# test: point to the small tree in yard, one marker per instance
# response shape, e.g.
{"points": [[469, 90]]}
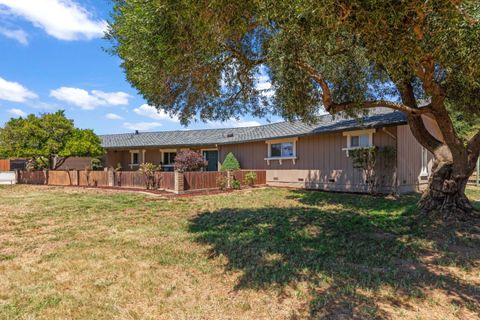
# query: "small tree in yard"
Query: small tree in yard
{"points": [[417, 57], [48, 139], [148, 170], [189, 161], [230, 163]]}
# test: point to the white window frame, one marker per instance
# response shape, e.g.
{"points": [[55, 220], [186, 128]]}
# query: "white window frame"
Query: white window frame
{"points": [[162, 152], [424, 162], [132, 152], [350, 134], [269, 157]]}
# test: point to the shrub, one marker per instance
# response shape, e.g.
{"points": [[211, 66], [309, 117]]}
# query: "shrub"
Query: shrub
{"points": [[148, 170], [96, 164], [36, 164], [250, 178], [222, 182], [189, 161], [230, 163], [236, 184]]}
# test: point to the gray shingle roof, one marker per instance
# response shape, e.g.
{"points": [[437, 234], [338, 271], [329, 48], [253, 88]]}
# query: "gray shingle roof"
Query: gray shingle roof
{"points": [[181, 138]]}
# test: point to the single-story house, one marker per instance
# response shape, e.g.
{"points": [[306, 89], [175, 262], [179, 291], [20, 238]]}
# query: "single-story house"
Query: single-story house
{"points": [[294, 154]]}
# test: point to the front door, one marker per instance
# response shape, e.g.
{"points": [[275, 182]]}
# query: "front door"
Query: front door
{"points": [[212, 158]]}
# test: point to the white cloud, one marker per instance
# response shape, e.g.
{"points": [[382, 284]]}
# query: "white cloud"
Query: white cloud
{"points": [[153, 113], [14, 91], [62, 19], [18, 35], [242, 123], [113, 116], [263, 84], [143, 126], [17, 112], [89, 100], [112, 98], [234, 123]]}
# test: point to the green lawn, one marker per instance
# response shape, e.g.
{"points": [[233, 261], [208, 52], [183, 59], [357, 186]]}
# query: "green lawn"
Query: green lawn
{"points": [[69, 253]]}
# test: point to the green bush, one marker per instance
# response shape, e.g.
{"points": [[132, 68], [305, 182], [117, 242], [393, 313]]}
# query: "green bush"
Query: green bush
{"points": [[236, 184], [96, 164], [250, 178], [222, 182], [230, 163]]}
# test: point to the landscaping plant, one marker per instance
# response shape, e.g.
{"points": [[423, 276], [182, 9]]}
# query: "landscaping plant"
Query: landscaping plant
{"points": [[189, 160], [250, 178], [148, 170], [230, 163]]}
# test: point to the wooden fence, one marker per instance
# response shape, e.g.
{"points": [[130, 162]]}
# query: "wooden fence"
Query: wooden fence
{"points": [[132, 179], [209, 180], [261, 176], [127, 179], [135, 179], [201, 180], [4, 165]]}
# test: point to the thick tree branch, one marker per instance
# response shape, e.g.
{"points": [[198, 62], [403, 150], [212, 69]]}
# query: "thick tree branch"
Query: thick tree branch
{"points": [[426, 72], [377, 104], [59, 162], [332, 107], [415, 122], [473, 148]]}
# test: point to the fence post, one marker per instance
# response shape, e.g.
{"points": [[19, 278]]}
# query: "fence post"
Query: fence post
{"points": [[45, 174], [229, 179], [478, 172], [179, 182], [111, 177]]}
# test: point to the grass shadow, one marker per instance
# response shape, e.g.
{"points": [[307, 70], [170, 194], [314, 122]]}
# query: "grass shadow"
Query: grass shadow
{"points": [[348, 249]]}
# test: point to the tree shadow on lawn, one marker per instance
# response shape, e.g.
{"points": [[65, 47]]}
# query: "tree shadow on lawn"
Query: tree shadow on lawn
{"points": [[351, 256]]}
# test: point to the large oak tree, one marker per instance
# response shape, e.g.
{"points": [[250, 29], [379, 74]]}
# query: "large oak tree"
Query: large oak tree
{"points": [[203, 59]]}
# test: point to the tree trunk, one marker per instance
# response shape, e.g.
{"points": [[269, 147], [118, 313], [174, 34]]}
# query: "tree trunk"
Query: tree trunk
{"points": [[445, 195]]}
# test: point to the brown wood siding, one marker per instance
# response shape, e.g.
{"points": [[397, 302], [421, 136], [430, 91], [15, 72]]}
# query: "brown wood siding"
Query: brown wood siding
{"points": [[409, 159], [321, 155]]}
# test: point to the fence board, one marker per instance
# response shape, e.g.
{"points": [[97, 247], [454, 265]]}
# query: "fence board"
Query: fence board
{"points": [[4, 165], [31, 177], [201, 180], [95, 178], [62, 178], [166, 180]]}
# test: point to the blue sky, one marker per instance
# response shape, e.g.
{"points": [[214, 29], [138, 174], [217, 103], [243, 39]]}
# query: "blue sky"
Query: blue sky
{"points": [[51, 58]]}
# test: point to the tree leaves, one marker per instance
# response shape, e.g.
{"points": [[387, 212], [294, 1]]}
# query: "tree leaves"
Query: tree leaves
{"points": [[46, 137]]}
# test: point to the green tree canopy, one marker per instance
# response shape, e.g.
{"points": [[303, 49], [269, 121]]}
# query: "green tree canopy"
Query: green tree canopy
{"points": [[50, 139], [204, 58]]}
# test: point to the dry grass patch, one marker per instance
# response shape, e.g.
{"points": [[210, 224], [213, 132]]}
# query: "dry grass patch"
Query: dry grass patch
{"points": [[261, 254]]}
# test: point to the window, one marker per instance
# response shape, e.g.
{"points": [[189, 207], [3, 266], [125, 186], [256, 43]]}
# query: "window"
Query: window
{"points": [[135, 158], [169, 157], [360, 141], [281, 150], [284, 149]]}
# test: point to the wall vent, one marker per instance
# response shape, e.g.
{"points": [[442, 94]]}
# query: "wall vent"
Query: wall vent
{"points": [[301, 179], [275, 178], [331, 180]]}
